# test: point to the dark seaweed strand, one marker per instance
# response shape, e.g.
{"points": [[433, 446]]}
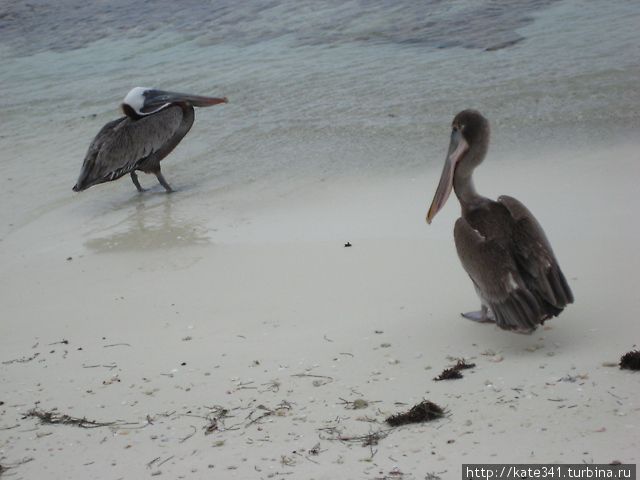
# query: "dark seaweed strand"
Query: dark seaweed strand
{"points": [[422, 412], [462, 365], [630, 360], [448, 374], [452, 373]]}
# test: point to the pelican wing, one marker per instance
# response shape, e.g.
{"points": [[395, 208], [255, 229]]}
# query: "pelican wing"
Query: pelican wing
{"points": [[497, 279], [537, 263], [133, 141], [123, 144]]}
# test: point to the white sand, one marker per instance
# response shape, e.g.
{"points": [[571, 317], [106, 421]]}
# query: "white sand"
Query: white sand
{"points": [[204, 302]]}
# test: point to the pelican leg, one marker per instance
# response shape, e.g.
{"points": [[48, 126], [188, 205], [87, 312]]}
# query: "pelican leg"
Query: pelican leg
{"points": [[163, 182], [134, 178], [484, 315]]}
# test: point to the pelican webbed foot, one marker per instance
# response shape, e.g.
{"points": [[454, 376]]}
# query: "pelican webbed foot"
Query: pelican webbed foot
{"points": [[524, 331], [484, 315]]}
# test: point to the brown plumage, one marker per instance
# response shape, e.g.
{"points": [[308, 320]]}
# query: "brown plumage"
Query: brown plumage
{"points": [[155, 122], [501, 245]]}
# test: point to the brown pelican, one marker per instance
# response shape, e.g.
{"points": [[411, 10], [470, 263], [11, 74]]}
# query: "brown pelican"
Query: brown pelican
{"points": [[500, 244], [154, 124]]}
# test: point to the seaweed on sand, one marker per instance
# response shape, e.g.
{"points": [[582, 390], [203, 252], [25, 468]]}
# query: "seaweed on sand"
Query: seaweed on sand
{"points": [[424, 411], [630, 360]]}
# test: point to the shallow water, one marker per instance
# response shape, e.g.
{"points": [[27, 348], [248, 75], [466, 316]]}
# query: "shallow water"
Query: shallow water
{"points": [[316, 91]]}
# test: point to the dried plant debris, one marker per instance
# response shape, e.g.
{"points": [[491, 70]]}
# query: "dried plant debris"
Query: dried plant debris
{"points": [[448, 374], [630, 360], [55, 418], [21, 359], [452, 373], [281, 410], [370, 439], [5, 468], [433, 476], [215, 420], [357, 404], [462, 365], [315, 450], [424, 411]]}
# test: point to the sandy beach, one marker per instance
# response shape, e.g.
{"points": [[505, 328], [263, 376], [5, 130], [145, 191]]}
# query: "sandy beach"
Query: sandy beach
{"points": [[226, 331], [233, 336]]}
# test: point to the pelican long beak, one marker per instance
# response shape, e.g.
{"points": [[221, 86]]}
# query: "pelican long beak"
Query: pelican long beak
{"points": [[457, 148], [155, 99]]}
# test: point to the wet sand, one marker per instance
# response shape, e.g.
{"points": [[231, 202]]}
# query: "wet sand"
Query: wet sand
{"points": [[228, 336]]}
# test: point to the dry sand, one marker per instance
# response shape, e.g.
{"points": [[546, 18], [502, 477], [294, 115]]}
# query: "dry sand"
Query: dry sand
{"points": [[249, 316]]}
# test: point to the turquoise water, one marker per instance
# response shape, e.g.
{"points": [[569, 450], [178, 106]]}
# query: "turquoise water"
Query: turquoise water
{"points": [[316, 90]]}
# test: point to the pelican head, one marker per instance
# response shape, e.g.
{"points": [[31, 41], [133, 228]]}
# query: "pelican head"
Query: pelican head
{"points": [[468, 146], [143, 101]]}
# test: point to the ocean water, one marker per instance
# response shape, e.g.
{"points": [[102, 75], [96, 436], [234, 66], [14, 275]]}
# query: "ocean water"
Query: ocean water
{"points": [[317, 90]]}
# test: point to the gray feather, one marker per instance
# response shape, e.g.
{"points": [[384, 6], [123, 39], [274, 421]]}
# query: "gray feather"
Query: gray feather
{"points": [[125, 145], [507, 255]]}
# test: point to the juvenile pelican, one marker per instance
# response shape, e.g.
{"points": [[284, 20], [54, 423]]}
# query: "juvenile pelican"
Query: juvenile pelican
{"points": [[155, 122], [500, 244]]}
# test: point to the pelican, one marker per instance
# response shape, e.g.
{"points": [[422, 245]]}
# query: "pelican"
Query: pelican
{"points": [[501, 245], [155, 122]]}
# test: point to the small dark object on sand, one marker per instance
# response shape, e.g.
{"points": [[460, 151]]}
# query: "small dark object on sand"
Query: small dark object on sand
{"points": [[462, 365], [424, 411], [453, 373], [348, 244], [448, 374], [630, 360]]}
